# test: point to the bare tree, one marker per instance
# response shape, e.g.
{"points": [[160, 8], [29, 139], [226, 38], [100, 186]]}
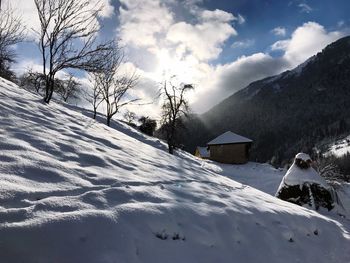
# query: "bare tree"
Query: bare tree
{"points": [[130, 117], [69, 88], [114, 84], [94, 96], [174, 107], [11, 33], [33, 81], [328, 168], [67, 38]]}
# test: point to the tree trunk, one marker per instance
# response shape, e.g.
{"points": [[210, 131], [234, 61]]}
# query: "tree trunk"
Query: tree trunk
{"points": [[108, 120], [170, 148], [49, 88], [171, 143]]}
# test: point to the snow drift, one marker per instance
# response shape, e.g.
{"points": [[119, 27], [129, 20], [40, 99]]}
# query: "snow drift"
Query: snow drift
{"points": [[75, 190]]}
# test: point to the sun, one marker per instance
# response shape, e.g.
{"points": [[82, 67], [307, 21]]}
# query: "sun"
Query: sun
{"points": [[173, 65]]}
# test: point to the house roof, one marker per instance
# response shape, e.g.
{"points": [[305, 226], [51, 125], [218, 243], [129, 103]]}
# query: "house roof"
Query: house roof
{"points": [[229, 138], [203, 151]]}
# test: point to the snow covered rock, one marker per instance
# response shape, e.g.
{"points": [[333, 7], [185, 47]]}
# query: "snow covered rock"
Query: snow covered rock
{"points": [[302, 185]]}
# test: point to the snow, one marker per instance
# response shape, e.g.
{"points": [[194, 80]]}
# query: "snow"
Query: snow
{"points": [[303, 156], [260, 176], [340, 148], [229, 137], [75, 190], [298, 176]]}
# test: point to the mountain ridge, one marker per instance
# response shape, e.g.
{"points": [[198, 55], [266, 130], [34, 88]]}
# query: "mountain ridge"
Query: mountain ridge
{"points": [[293, 110]]}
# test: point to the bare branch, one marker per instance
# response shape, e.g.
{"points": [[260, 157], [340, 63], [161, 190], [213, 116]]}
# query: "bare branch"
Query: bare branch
{"points": [[11, 33], [67, 38], [174, 107]]}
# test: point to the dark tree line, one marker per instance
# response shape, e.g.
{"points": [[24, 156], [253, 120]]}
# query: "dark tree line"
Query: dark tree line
{"points": [[148, 125]]}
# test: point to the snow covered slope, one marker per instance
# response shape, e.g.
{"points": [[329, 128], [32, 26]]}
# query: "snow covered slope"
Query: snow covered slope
{"points": [[261, 176], [75, 190], [340, 147]]}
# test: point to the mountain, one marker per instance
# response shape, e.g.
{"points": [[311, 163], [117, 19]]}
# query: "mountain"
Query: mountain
{"points": [[75, 190], [285, 113]]}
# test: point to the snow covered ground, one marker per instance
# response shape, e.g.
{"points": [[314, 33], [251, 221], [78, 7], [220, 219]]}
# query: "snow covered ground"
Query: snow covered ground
{"points": [[260, 176], [75, 190], [340, 148]]}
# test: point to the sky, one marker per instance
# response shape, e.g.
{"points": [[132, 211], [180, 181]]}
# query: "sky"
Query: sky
{"points": [[218, 46]]}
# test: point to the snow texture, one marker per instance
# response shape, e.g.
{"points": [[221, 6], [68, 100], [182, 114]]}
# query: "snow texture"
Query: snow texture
{"points": [[228, 138], [303, 156], [75, 190], [298, 176]]}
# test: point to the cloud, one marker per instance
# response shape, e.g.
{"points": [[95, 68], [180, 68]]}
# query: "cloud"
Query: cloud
{"points": [[27, 11], [25, 65], [243, 44], [205, 39], [187, 48], [240, 19], [279, 31], [305, 8], [141, 22], [170, 45], [216, 16], [305, 42], [341, 23], [161, 30], [226, 79]]}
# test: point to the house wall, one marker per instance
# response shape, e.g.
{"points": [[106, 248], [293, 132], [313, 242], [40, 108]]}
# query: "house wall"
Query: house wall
{"points": [[229, 153]]}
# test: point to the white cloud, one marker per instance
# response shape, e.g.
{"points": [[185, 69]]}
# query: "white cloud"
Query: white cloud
{"points": [[305, 8], [216, 16], [142, 21], [107, 10], [204, 40], [240, 19], [171, 45], [226, 79], [243, 44], [187, 47], [305, 42], [27, 11], [25, 65], [341, 23], [279, 31]]}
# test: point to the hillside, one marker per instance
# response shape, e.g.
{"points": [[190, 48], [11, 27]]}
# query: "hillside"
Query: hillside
{"points": [[340, 147], [287, 113], [75, 190]]}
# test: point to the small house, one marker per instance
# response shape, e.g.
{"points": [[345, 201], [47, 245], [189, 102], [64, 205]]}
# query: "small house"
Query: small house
{"points": [[202, 152], [229, 148]]}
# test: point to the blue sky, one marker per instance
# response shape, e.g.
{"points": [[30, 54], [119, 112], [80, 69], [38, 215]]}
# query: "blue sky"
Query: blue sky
{"points": [[220, 46]]}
